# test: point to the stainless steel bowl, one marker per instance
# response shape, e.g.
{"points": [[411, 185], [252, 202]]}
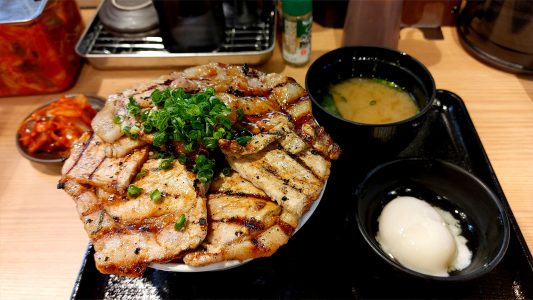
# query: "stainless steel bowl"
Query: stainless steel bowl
{"points": [[131, 16], [50, 158]]}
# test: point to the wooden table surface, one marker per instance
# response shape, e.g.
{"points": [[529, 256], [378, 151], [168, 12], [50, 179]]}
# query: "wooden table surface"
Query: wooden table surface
{"points": [[42, 240]]}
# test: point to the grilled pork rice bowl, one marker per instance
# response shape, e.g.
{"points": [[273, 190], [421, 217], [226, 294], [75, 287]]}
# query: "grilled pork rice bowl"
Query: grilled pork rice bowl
{"points": [[214, 163]]}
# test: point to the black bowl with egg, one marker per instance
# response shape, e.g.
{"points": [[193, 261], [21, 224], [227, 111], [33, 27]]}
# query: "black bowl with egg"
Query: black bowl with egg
{"points": [[443, 185], [373, 63]]}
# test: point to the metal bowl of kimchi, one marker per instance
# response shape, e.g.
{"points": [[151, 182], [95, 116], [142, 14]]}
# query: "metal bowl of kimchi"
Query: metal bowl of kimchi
{"points": [[47, 133]]}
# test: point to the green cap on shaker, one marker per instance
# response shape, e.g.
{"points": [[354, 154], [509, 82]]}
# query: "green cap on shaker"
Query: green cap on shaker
{"points": [[296, 7]]}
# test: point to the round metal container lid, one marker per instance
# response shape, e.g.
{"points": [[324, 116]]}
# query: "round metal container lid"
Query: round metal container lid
{"points": [[20, 11]]}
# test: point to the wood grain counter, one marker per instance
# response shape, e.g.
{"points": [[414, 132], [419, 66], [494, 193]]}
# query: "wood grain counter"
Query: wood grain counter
{"points": [[42, 241]]}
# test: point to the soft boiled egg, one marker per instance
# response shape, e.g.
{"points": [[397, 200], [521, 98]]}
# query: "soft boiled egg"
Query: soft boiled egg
{"points": [[422, 238]]}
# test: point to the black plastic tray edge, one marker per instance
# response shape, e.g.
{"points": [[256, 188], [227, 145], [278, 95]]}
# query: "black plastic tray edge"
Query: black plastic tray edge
{"points": [[497, 185], [80, 273], [498, 191]]}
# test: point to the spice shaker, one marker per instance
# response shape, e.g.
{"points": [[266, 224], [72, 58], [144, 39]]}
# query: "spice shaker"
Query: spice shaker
{"points": [[297, 22]]}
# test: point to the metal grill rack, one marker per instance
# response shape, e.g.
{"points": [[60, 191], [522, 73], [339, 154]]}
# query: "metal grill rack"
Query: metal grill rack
{"points": [[104, 42], [257, 38], [242, 44]]}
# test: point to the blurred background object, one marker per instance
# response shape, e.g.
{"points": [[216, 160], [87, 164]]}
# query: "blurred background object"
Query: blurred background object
{"points": [[429, 13], [499, 32], [88, 3], [37, 40], [191, 25], [415, 13], [330, 13], [373, 23], [128, 16], [245, 12]]}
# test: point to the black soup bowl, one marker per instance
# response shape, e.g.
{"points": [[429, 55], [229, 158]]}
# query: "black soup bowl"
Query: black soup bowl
{"points": [[444, 185], [370, 62]]}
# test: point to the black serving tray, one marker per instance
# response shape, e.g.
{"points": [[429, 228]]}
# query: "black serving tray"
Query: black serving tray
{"points": [[328, 257]]}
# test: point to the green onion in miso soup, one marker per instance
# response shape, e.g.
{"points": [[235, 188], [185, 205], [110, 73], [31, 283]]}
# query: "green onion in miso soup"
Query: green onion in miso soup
{"points": [[370, 101]]}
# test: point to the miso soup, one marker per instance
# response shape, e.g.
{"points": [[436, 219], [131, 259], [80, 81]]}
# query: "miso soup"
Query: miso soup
{"points": [[371, 101]]}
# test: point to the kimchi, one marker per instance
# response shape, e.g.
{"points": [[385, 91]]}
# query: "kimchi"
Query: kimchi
{"points": [[54, 128], [38, 56]]}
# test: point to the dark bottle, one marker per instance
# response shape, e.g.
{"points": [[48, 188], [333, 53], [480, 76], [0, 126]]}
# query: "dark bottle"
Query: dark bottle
{"points": [[191, 25]]}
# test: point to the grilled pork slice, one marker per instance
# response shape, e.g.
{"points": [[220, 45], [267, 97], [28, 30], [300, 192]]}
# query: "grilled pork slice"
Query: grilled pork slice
{"points": [[103, 123], [130, 233], [262, 97], [285, 179], [88, 164], [243, 224]]}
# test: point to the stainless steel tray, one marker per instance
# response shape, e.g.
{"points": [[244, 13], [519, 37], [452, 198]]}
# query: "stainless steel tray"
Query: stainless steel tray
{"points": [[252, 44]]}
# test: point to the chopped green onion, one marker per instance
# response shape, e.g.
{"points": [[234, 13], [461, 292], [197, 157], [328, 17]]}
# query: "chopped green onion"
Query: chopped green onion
{"points": [[155, 196], [134, 191], [226, 171], [182, 159], [147, 128], [133, 107], [189, 147], [203, 167], [219, 133], [166, 164], [240, 114], [141, 174], [126, 129], [243, 137], [329, 104], [197, 121], [117, 119], [210, 143], [194, 119], [180, 222], [145, 114], [163, 154], [243, 140], [134, 129], [157, 97], [159, 139]]}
